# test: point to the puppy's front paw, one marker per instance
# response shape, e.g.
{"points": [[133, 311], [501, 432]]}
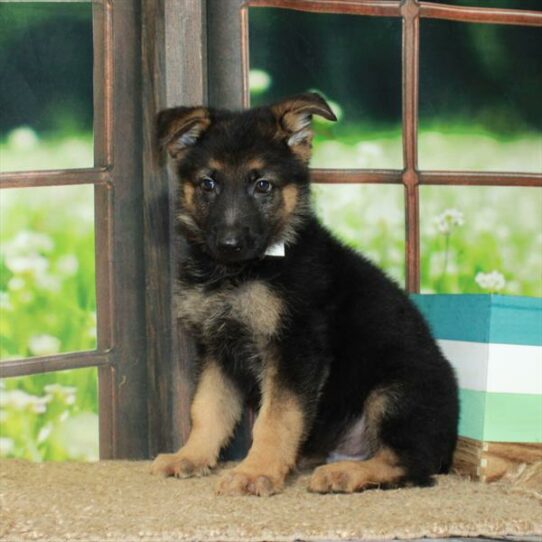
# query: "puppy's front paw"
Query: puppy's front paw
{"points": [[180, 466], [235, 483]]}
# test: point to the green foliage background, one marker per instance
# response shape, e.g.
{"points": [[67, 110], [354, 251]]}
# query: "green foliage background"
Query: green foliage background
{"points": [[48, 306]]}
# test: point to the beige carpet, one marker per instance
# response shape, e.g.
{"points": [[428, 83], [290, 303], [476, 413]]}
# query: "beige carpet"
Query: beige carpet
{"points": [[121, 501]]}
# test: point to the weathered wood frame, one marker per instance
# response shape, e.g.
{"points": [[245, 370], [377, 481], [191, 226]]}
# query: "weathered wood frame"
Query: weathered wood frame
{"points": [[170, 77], [143, 358], [411, 177], [118, 199]]}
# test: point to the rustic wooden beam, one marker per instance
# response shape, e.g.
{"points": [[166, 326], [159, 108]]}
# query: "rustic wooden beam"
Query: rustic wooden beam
{"points": [[57, 362], [356, 176], [61, 177], [174, 73], [103, 224], [472, 14], [126, 256], [410, 62], [381, 8], [225, 54], [486, 178]]}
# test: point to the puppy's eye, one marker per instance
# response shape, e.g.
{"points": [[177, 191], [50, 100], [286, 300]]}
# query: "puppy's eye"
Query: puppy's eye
{"points": [[208, 184], [263, 186]]}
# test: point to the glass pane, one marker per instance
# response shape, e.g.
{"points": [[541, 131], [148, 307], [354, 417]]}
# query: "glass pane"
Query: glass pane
{"points": [[481, 240], [47, 279], [52, 416], [367, 218], [45, 85], [353, 61], [480, 106]]}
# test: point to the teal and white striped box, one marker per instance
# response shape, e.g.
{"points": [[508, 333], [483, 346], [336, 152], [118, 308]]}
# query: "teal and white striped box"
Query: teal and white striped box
{"points": [[494, 343]]}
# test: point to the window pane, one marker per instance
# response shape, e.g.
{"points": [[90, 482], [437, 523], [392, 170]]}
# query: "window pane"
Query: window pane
{"points": [[481, 240], [47, 279], [51, 416], [367, 218], [46, 61], [480, 106], [355, 62]]}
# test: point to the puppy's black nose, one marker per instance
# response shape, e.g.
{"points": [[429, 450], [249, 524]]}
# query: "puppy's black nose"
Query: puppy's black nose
{"points": [[230, 243]]}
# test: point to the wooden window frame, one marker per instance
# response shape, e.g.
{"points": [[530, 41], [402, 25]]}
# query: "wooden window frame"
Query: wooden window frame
{"points": [[411, 177], [120, 355]]}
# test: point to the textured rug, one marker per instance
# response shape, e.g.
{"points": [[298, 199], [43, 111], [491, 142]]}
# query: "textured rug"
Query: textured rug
{"points": [[119, 500]]}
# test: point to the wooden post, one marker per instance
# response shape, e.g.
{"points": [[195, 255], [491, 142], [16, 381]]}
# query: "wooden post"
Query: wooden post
{"points": [[171, 77]]}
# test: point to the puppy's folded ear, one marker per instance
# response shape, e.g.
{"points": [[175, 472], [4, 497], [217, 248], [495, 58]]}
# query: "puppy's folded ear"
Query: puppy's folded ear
{"points": [[294, 116], [180, 127]]}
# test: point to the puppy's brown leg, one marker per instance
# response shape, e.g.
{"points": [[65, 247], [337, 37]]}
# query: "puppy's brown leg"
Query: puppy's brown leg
{"points": [[350, 476], [215, 410], [276, 437]]}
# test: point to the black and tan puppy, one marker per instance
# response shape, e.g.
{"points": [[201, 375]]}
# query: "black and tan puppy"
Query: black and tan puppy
{"points": [[332, 355]]}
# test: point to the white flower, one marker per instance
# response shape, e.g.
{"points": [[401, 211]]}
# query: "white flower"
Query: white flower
{"points": [[28, 242], [26, 297], [23, 138], [67, 265], [369, 151], [44, 433], [258, 81], [6, 446], [34, 263], [502, 232], [396, 255], [20, 400], [48, 282], [5, 303], [448, 220], [44, 345], [65, 393], [16, 283], [493, 281]]}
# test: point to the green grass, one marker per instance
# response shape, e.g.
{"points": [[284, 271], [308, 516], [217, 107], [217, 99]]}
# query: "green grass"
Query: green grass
{"points": [[47, 292], [51, 416], [47, 274], [48, 306], [24, 150], [441, 146]]}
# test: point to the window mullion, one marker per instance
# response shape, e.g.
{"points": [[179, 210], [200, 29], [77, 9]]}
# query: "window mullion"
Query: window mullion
{"points": [[411, 37]]}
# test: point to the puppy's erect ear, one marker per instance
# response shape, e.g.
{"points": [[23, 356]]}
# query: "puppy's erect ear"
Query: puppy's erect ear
{"points": [[180, 127], [294, 116]]}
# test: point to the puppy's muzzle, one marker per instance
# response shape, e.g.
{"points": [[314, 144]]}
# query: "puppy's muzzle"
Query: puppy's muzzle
{"points": [[230, 244]]}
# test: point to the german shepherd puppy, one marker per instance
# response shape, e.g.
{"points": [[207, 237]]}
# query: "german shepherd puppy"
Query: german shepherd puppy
{"points": [[331, 353]]}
